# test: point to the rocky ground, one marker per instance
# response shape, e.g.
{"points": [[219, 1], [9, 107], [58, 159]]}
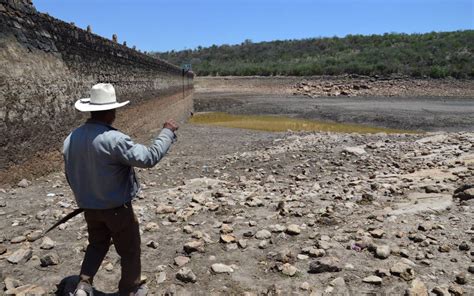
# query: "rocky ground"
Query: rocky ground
{"points": [[234, 212], [340, 86], [237, 212], [363, 86]]}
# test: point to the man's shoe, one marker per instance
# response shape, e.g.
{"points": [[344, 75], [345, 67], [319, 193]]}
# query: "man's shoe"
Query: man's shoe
{"points": [[84, 289]]}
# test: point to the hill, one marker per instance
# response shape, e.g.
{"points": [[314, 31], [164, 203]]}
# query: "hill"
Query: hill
{"points": [[436, 55]]}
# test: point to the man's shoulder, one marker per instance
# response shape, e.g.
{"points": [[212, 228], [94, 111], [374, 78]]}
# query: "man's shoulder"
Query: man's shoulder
{"points": [[115, 134], [112, 138]]}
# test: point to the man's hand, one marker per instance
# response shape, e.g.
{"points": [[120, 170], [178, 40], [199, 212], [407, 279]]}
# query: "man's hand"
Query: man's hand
{"points": [[171, 124]]}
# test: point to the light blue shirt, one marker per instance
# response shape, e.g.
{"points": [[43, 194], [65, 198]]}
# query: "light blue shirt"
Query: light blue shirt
{"points": [[99, 163]]}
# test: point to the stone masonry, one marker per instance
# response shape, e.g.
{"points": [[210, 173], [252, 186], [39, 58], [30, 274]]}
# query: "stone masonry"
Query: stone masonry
{"points": [[48, 64]]}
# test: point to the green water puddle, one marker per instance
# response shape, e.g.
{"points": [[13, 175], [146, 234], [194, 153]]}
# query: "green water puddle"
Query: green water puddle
{"points": [[282, 124]]}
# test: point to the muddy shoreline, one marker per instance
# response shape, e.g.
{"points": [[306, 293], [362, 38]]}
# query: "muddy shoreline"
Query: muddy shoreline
{"points": [[422, 113]]}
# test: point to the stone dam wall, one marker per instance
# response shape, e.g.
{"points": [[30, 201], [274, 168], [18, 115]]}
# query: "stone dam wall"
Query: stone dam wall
{"points": [[47, 64]]}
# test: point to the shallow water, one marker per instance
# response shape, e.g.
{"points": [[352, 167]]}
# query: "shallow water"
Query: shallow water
{"points": [[283, 123]]}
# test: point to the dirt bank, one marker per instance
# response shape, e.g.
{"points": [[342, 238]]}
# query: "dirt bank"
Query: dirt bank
{"points": [[317, 86]]}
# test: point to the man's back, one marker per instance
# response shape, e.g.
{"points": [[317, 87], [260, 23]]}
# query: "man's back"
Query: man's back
{"points": [[97, 176]]}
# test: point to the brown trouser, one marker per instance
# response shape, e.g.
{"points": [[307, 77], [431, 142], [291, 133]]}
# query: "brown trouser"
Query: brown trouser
{"points": [[120, 225]]}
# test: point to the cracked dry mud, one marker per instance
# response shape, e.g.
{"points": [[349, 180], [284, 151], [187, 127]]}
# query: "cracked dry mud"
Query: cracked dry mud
{"points": [[236, 212]]}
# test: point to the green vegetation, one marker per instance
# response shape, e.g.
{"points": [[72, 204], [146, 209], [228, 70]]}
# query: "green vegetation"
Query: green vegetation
{"points": [[282, 124], [436, 55]]}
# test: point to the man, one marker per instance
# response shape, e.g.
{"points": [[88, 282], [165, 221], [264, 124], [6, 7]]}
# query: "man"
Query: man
{"points": [[99, 163]]}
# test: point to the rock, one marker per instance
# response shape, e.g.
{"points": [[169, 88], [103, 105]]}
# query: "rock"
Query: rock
{"points": [[302, 257], [403, 270], [285, 256], [197, 234], [441, 291], [314, 252], [193, 246], [18, 239], [27, 290], [464, 246], [337, 287], [242, 243], [470, 268], [300, 177], [34, 236], [374, 280], [277, 228], [423, 202], [417, 288], [270, 179], [377, 233], [444, 248], [348, 266], [404, 253], [228, 238], [49, 259], [417, 237], [231, 247], [173, 218], [24, 183], [263, 244], [152, 244], [186, 275], [47, 243], [288, 269], [152, 227], [324, 245], [165, 209], [382, 252], [304, 286], [329, 264], [432, 189], [226, 229], [199, 198], [359, 150], [221, 268], [461, 278], [464, 192], [425, 226], [382, 272], [263, 234], [249, 233], [181, 260], [293, 229], [20, 256], [11, 283], [3, 249], [161, 277], [455, 290]]}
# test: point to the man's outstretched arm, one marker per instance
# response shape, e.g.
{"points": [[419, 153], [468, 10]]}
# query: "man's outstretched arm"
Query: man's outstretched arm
{"points": [[138, 155]]}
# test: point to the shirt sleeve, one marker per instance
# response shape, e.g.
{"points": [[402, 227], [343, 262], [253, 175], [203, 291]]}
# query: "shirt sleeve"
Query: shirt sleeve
{"points": [[141, 156]]}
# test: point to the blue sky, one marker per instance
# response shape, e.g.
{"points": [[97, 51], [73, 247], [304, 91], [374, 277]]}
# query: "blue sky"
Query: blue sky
{"points": [[162, 25]]}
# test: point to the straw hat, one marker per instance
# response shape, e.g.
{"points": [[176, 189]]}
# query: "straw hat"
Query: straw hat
{"points": [[102, 98]]}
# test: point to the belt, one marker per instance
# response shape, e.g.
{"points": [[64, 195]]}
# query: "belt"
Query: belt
{"points": [[125, 205]]}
